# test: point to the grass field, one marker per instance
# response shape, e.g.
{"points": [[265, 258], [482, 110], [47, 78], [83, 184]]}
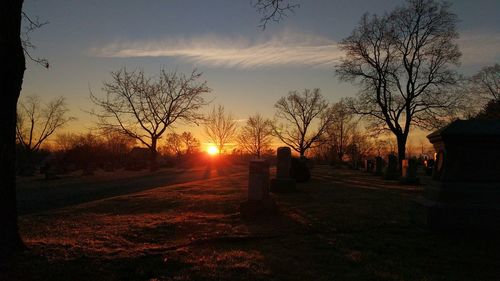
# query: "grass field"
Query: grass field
{"points": [[342, 225]]}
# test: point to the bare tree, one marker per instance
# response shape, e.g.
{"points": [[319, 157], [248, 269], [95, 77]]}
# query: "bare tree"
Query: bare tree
{"points": [[402, 61], [64, 141], [273, 10], [189, 142], [256, 136], [361, 146], [174, 144], [31, 24], [181, 144], [340, 133], [220, 127], [299, 113], [36, 123], [144, 108], [485, 84]]}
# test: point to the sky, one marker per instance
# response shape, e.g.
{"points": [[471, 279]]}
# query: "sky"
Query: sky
{"points": [[247, 68]]}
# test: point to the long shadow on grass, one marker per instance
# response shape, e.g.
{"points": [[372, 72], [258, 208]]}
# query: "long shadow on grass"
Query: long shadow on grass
{"points": [[54, 197], [330, 229]]}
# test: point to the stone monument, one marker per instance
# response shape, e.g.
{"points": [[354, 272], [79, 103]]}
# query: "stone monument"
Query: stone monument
{"points": [[283, 182], [258, 180], [369, 165], [465, 190], [379, 165], [259, 201], [409, 171], [391, 172]]}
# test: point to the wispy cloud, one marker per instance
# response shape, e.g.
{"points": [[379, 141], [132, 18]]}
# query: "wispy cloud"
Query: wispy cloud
{"points": [[479, 48], [286, 49]]}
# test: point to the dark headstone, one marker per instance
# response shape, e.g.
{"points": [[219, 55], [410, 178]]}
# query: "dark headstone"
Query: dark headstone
{"points": [[283, 162], [429, 166], [409, 171], [369, 165], [258, 179], [283, 182], [391, 171], [300, 170], [259, 202], [379, 166], [465, 190]]}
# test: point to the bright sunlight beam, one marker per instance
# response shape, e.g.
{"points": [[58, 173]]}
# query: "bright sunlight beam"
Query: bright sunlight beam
{"points": [[212, 150]]}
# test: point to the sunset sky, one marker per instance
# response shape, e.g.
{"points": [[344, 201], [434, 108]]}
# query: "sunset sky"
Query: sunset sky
{"points": [[247, 68]]}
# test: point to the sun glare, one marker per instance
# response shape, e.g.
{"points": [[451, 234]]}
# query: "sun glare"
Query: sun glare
{"points": [[212, 150]]}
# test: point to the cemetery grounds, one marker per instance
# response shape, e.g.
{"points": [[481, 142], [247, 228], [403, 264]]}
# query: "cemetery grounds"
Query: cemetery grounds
{"points": [[341, 225]]}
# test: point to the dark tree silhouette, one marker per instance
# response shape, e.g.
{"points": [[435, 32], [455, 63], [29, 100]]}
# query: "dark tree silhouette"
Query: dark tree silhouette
{"points": [[36, 123], [220, 128], [402, 61], [299, 113], [485, 84], [491, 111], [11, 49], [273, 10], [255, 137], [143, 108], [181, 144], [340, 133], [190, 143]]}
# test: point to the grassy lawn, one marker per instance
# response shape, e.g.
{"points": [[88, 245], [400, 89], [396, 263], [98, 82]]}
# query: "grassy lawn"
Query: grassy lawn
{"points": [[342, 225]]}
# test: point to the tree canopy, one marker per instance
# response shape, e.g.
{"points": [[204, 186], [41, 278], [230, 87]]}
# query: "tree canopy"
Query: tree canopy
{"points": [[404, 63]]}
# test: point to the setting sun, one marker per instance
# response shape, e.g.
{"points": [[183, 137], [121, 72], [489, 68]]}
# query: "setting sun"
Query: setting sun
{"points": [[212, 150]]}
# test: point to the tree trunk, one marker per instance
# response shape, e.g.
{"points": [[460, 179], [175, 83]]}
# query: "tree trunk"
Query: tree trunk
{"points": [[11, 81], [401, 139], [154, 154]]}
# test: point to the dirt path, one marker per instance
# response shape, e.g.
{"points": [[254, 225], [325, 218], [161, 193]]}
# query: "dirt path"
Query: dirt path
{"points": [[43, 195]]}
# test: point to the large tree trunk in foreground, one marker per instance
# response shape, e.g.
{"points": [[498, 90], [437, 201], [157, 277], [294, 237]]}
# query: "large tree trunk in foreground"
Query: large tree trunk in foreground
{"points": [[11, 77], [153, 163], [401, 139]]}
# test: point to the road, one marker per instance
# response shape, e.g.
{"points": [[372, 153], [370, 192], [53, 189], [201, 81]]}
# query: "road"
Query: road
{"points": [[49, 197]]}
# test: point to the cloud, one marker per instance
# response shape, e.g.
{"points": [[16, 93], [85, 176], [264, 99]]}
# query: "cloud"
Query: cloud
{"points": [[284, 50], [479, 48]]}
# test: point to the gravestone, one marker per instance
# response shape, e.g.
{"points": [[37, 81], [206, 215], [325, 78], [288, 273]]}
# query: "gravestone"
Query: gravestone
{"points": [[465, 189], [429, 166], [299, 170], [283, 162], [391, 172], [283, 182], [379, 165], [258, 202], [409, 171], [258, 180], [369, 165]]}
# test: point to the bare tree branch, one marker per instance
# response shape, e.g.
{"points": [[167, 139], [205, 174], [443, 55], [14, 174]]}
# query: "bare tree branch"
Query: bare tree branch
{"points": [[36, 123], [31, 24], [403, 62], [255, 137], [143, 108], [299, 112], [273, 10], [220, 128]]}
